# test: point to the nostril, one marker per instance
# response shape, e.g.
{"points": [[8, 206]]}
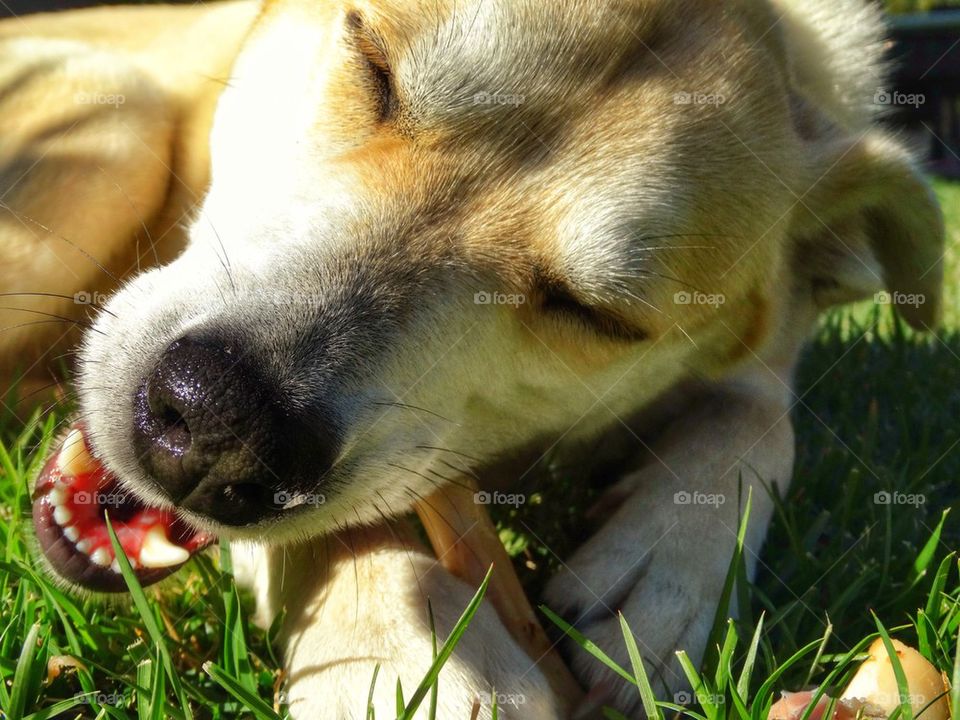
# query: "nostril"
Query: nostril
{"points": [[249, 494], [174, 429], [212, 431], [169, 426]]}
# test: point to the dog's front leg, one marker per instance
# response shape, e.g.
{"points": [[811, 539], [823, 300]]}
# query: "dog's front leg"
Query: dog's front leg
{"points": [[358, 599], [661, 558]]}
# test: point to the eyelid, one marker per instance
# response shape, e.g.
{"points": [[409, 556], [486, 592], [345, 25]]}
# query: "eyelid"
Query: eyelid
{"points": [[371, 48], [558, 298]]}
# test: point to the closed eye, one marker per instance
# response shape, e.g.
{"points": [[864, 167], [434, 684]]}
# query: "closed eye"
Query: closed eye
{"points": [[376, 65], [558, 300]]}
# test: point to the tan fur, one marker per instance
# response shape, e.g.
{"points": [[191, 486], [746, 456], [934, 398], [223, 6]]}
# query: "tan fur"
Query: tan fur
{"points": [[592, 184], [125, 175]]}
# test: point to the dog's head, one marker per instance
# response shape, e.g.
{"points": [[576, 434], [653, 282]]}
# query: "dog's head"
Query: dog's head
{"points": [[440, 231]]}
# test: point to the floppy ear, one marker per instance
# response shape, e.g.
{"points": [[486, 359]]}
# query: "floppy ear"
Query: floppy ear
{"points": [[870, 223]]}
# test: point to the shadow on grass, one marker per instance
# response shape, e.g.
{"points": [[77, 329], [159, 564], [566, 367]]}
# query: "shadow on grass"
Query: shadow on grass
{"points": [[878, 462]]}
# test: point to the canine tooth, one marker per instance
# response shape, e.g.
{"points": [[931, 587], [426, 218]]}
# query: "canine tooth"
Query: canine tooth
{"points": [[74, 458], [84, 547], [158, 552], [58, 496], [62, 515], [71, 534], [100, 557]]}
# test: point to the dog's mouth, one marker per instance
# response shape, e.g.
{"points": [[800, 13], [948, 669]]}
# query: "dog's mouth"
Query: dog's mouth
{"points": [[71, 500]]}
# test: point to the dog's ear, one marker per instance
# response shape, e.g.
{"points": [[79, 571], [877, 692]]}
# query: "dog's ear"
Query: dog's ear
{"points": [[867, 219], [869, 223]]}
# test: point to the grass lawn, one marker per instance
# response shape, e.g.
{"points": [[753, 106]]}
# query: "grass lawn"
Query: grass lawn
{"points": [[878, 414]]}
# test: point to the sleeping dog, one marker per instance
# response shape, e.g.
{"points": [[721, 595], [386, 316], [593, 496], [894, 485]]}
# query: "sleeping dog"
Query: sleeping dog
{"points": [[337, 253]]}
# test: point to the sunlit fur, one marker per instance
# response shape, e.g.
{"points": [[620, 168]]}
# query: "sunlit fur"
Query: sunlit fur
{"points": [[532, 149]]}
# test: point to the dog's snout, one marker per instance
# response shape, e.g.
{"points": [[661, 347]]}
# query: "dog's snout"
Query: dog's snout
{"points": [[211, 431]]}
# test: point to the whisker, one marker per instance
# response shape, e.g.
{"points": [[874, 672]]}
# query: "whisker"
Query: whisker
{"points": [[429, 479], [464, 470], [401, 540], [29, 324], [26, 218], [443, 517], [405, 406], [54, 295], [447, 450], [55, 383], [82, 323], [225, 260], [153, 245]]}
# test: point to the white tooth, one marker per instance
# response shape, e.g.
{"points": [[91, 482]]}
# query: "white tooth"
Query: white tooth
{"points": [[62, 515], [58, 496], [74, 459], [100, 557], [84, 547], [71, 534], [115, 565], [158, 552]]}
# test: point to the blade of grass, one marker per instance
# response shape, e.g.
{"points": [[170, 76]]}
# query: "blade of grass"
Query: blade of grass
{"points": [[401, 705], [723, 608], [371, 713], [148, 618], [586, 644], [929, 551], [955, 682], [643, 682], [906, 709], [447, 649], [251, 701], [435, 688], [743, 684], [705, 694], [59, 708], [23, 678]]}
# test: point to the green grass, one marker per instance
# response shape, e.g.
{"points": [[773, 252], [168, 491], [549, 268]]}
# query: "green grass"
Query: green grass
{"points": [[879, 413]]}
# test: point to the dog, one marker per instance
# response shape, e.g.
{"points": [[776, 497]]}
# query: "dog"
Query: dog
{"points": [[320, 258]]}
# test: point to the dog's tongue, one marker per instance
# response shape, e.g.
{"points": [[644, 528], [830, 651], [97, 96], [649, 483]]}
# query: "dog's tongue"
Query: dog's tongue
{"points": [[71, 498]]}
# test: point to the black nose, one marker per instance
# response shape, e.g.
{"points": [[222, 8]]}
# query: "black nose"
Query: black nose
{"points": [[210, 428]]}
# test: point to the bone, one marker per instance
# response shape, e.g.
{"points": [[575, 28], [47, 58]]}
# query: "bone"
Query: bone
{"points": [[466, 544]]}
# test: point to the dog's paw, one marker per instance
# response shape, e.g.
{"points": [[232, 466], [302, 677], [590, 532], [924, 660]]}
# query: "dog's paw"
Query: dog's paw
{"points": [[666, 579], [373, 616]]}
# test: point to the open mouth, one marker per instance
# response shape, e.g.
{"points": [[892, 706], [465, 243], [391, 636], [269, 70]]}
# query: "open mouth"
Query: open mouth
{"points": [[71, 500]]}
